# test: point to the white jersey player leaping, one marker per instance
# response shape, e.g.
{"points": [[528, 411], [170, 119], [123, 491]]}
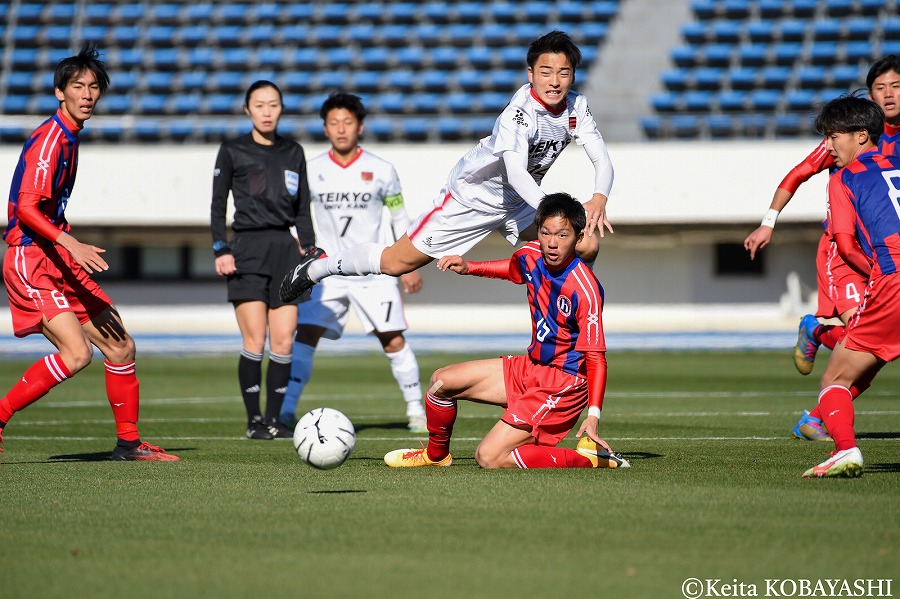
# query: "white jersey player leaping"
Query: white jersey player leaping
{"points": [[496, 185], [350, 188]]}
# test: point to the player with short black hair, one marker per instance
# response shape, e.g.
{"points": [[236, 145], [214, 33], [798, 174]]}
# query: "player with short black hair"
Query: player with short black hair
{"points": [[47, 271], [496, 185], [864, 218], [544, 392]]}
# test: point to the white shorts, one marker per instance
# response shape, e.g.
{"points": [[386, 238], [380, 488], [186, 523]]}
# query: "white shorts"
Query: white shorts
{"points": [[376, 301], [449, 228]]}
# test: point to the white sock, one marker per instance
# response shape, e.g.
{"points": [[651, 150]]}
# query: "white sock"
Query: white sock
{"points": [[362, 259], [406, 372]]}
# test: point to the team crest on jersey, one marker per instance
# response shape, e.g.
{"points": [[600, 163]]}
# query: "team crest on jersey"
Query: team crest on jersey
{"points": [[573, 122], [519, 118], [564, 305], [292, 182], [367, 176]]}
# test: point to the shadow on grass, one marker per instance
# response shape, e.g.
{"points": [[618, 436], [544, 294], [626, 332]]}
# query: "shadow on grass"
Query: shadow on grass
{"points": [[885, 468], [640, 455], [878, 435], [337, 492], [399, 426], [102, 456]]}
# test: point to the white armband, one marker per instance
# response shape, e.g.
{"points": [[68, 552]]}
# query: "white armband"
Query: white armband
{"points": [[770, 218], [594, 411]]}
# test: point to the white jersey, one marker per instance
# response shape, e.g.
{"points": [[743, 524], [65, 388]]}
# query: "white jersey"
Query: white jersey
{"points": [[525, 126], [348, 202]]}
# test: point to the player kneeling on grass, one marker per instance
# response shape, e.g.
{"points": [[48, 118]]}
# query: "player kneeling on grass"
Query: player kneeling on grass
{"points": [[864, 217], [544, 392]]}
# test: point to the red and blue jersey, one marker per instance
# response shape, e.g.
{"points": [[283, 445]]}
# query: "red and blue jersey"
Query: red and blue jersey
{"points": [[864, 200], [43, 182], [566, 309]]}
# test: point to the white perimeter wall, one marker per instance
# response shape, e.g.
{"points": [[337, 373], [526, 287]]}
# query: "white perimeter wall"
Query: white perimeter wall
{"points": [[721, 182]]}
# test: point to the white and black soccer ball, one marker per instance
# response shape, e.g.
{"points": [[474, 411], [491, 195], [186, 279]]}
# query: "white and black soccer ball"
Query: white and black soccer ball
{"points": [[324, 438]]}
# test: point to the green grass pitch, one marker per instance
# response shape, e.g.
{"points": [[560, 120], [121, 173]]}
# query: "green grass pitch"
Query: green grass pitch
{"points": [[714, 491]]}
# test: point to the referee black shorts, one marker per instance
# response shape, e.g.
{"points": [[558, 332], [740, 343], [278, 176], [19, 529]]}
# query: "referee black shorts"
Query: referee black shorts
{"points": [[261, 259]]}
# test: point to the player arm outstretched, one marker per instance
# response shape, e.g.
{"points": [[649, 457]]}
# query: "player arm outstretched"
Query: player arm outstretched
{"points": [[818, 161], [30, 215], [507, 270], [596, 375], [595, 208]]}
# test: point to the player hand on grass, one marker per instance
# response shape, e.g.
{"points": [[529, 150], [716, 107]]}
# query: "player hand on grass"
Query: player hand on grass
{"points": [[225, 265], [87, 256], [595, 210], [454, 263], [412, 282], [590, 426]]}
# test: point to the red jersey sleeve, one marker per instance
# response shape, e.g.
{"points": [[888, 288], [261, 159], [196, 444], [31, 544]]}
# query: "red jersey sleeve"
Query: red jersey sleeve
{"points": [[508, 270], [29, 213], [841, 214], [596, 376], [818, 161]]}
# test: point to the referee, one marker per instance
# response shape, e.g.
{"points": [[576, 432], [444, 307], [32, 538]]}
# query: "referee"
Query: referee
{"points": [[266, 176]]}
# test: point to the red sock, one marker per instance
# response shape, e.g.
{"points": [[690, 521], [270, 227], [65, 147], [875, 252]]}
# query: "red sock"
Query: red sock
{"points": [[542, 456], [836, 407], [440, 414], [829, 335], [40, 377], [855, 391], [124, 398]]}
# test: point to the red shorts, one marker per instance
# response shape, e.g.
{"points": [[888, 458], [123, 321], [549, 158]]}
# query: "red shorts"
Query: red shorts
{"points": [[544, 398], [840, 287], [44, 282], [874, 328]]}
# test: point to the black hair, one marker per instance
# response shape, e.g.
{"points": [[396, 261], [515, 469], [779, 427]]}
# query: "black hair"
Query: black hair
{"points": [[563, 205], [555, 42], [349, 102], [848, 114], [882, 66], [87, 59], [259, 85]]}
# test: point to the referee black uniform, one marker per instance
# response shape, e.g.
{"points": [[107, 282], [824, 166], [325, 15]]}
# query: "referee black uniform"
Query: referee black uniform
{"points": [[270, 191]]}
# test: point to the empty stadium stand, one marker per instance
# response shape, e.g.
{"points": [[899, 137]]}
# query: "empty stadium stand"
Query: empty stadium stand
{"points": [[428, 70], [758, 68]]}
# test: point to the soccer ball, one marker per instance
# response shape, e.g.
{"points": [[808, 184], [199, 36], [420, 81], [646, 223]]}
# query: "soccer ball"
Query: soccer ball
{"points": [[324, 438]]}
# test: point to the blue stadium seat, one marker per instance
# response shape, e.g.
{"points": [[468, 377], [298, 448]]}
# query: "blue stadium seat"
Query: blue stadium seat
{"points": [[396, 36], [839, 8], [312, 103], [685, 126], [803, 9], [771, 9], [525, 33], [449, 128], [823, 53], [58, 35], [468, 12], [152, 103], [480, 126], [787, 53], [380, 128], [163, 58], [191, 80], [294, 34], [652, 126], [570, 12], [180, 130], [511, 57], [764, 100], [535, 11], [298, 12], [157, 81], [676, 80], [226, 36], [695, 33], [24, 58], [664, 102], [365, 81], [59, 13], [415, 129], [590, 33], [843, 75], [226, 81], [684, 56], [160, 35], [493, 102], [236, 13], [19, 81], [15, 103], [147, 130], [97, 13], [185, 103], [753, 125], [271, 57], [502, 12], [469, 79], [164, 13], [26, 36], [409, 58], [799, 100], [720, 126], [871, 7], [742, 78], [444, 57], [333, 13], [362, 34], [235, 58], [601, 10], [732, 101], [45, 105], [222, 104], [335, 58], [697, 101], [479, 57], [198, 12], [265, 12], [726, 31], [861, 28], [29, 13], [827, 30], [775, 78], [793, 30], [890, 28], [458, 103], [495, 35], [400, 80], [461, 35], [811, 77], [434, 80], [718, 55], [753, 55], [890, 47], [736, 9], [761, 31], [856, 51], [424, 103], [392, 102], [708, 78], [588, 55], [830, 93], [400, 12], [788, 125], [705, 10], [115, 103], [326, 36], [124, 35], [260, 33], [435, 12], [329, 81], [427, 34], [128, 13], [375, 58]]}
